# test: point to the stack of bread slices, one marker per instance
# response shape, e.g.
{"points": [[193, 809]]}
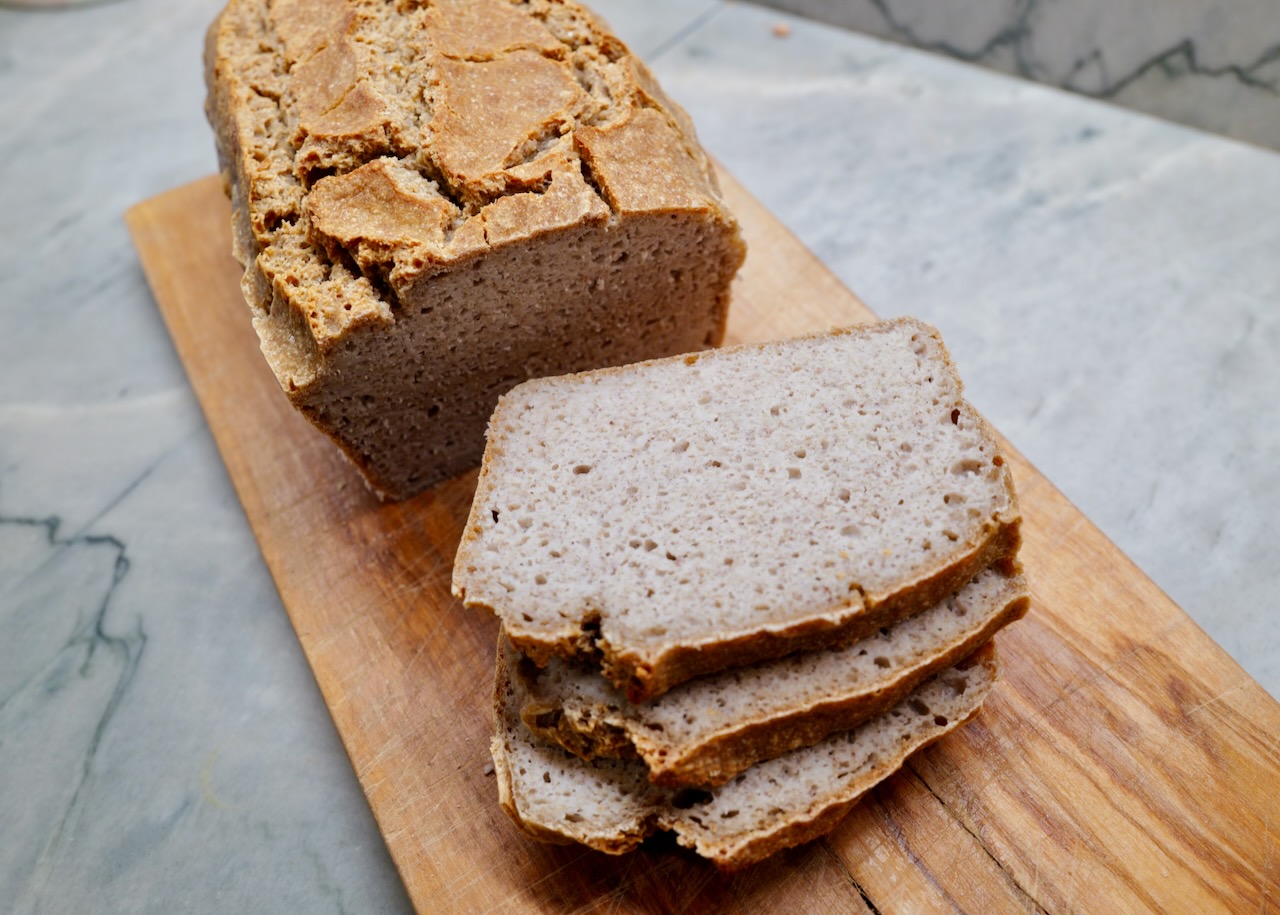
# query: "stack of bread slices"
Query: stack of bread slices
{"points": [[737, 589]]}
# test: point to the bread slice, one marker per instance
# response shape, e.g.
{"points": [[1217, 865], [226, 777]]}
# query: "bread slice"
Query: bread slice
{"points": [[435, 201], [610, 805], [705, 731], [686, 515]]}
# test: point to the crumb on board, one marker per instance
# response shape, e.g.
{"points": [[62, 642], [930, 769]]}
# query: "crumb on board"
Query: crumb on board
{"points": [[781, 30]]}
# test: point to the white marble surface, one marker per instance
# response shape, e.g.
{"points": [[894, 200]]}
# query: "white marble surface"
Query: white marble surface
{"points": [[1213, 64], [1107, 283]]}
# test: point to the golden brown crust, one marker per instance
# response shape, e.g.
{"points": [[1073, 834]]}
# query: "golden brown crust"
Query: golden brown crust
{"points": [[623, 157], [374, 207], [498, 80]]}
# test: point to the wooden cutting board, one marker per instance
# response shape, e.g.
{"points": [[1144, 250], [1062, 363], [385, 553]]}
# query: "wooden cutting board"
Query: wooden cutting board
{"points": [[1124, 763]]}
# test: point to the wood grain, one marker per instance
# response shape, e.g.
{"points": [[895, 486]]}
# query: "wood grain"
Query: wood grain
{"points": [[1126, 763]]}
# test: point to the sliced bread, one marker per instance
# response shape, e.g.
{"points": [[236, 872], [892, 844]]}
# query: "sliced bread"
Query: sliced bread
{"points": [[610, 805], [705, 731], [686, 515], [435, 201]]}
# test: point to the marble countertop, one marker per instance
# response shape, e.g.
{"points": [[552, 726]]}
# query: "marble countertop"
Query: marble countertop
{"points": [[1107, 282]]}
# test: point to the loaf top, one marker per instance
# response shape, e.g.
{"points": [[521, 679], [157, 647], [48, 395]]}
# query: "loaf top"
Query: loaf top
{"points": [[372, 144], [674, 506]]}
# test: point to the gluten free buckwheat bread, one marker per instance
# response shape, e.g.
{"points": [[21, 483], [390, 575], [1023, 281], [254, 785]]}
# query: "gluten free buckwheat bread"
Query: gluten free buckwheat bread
{"points": [[434, 201], [704, 732], [610, 805], [687, 515]]}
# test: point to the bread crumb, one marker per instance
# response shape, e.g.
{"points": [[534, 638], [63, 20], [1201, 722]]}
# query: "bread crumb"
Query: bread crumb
{"points": [[781, 30]]}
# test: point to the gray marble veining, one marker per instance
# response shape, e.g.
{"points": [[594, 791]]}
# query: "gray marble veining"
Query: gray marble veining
{"points": [[1213, 64], [1105, 280]]}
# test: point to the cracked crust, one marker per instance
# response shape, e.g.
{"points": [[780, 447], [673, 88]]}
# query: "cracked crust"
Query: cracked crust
{"points": [[434, 202]]}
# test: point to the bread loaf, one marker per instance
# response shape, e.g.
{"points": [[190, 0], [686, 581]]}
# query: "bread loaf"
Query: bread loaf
{"points": [[682, 516], [434, 202], [611, 806], [705, 731]]}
